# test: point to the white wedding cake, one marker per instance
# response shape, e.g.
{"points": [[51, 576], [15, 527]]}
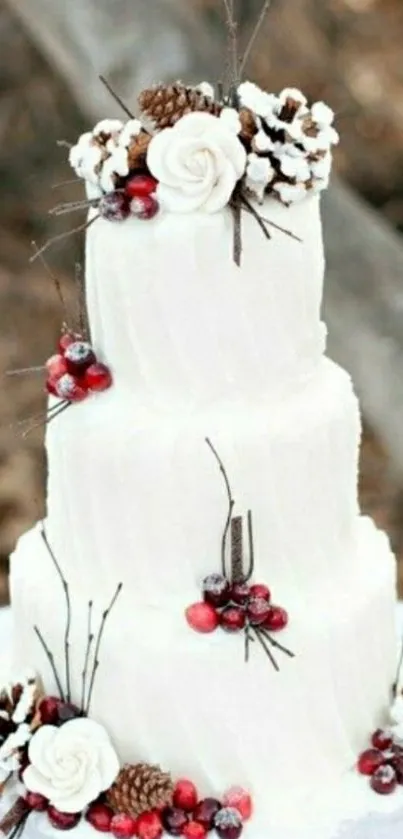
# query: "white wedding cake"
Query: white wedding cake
{"points": [[204, 272]]}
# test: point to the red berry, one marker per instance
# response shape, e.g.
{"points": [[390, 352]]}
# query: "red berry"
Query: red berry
{"points": [[145, 208], [258, 611], [276, 619], [51, 386], [240, 593], [56, 366], [66, 339], [232, 619], [185, 795], [260, 590], [194, 830], [123, 826], [68, 711], [114, 206], [174, 820], [62, 821], [49, 710], [240, 799], [381, 739], [384, 780], [36, 801], [99, 815], [97, 378], [216, 590], [68, 388], [369, 761], [228, 823], [140, 185], [149, 826], [202, 617], [206, 812], [78, 357]]}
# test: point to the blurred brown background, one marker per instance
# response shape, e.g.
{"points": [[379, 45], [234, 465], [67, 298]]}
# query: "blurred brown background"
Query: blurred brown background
{"points": [[345, 51]]}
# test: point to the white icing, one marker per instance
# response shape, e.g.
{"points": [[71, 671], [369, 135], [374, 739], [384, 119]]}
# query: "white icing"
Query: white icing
{"points": [[197, 162]]}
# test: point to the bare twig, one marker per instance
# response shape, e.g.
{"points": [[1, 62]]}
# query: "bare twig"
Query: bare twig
{"points": [[105, 615], [275, 643], [251, 548], [66, 183], [255, 33], [45, 421], [51, 659], [90, 639], [81, 301], [398, 671], [68, 609], [71, 207], [23, 370], [237, 220], [55, 280], [231, 504], [233, 63], [267, 649], [116, 97], [61, 236], [237, 575], [256, 215], [64, 144]]}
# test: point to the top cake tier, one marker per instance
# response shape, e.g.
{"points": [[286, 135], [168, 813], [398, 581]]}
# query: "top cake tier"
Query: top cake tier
{"points": [[176, 319]]}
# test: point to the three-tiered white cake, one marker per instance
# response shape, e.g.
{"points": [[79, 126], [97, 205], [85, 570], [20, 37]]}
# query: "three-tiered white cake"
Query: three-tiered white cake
{"points": [[200, 346]]}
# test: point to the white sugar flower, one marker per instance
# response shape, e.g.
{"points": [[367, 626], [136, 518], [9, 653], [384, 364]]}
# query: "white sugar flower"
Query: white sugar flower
{"points": [[206, 89], [290, 193], [257, 100], [71, 765], [259, 174], [197, 164], [231, 120], [322, 114], [130, 130]]}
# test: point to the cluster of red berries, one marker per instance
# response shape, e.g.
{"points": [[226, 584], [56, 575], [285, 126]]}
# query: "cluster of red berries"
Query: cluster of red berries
{"points": [[135, 198], [235, 606], [188, 816], [383, 762], [74, 372]]}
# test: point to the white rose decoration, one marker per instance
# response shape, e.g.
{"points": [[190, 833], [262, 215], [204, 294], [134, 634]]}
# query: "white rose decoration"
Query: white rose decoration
{"points": [[197, 163], [71, 765]]}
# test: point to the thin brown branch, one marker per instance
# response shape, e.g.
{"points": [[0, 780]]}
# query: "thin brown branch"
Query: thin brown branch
{"points": [[51, 659], [255, 33], [64, 144], [231, 504], [61, 236], [68, 609], [233, 63], [116, 97], [66, 183], [55, 280], [46, 420], [23, 370], [250, 209], [104, 618], [282, 229], [71, 207]]}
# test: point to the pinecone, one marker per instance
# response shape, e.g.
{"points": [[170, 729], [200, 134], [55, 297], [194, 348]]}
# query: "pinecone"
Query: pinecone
{"points": [[137, 151], [165, 104], [139, 788], [249, 126]]}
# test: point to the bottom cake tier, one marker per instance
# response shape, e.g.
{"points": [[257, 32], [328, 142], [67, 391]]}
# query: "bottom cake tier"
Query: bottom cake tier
{"points": [[190, 702]]}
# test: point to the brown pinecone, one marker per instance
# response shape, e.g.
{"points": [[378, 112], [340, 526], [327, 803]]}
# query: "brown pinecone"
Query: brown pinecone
{"points": [[249, 126], [137, 151], [165, 104], [139, 788]]}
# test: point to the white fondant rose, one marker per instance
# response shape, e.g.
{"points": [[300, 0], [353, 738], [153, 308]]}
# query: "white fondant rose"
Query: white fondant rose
{"points": [[197, 163], [71, 765]]}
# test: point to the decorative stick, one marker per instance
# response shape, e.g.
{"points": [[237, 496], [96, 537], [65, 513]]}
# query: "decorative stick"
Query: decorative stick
{"points": [[70, 207], [232, 51], [105, 616], [47, 420], [24, 370], [66, 183], [82, 309], [116, 97], [255, 33], [21, 423], [65, 235], [51, 659], [16, 815], [64, 144], [251, 548], [90, 638], [395, 686], [68, 609], [237, 575], [267, 650], [231, 504], [237, 239], [256, 215], [275, 643], [282, 229], [55, 280]]}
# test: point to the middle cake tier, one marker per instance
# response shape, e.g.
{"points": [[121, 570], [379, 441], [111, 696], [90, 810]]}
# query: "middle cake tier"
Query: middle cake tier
{"points": [[137, 494]]}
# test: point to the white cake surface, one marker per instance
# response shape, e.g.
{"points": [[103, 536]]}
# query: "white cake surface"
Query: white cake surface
{"points": [[199, 347]]}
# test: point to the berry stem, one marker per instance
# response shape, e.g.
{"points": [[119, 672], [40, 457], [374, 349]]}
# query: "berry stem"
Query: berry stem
{"points": [[250, 209], [275, 643], [71, 207], [237, 574], [51, 660], [251, 548], [260, 638], [236, 207], [95, 666], [116, 97], [61, 236], [66, 183], [231, 504], [82, 308], [398, 671], [48, 418], [49, 413], [90, 639], [253, 37], [68, 610], [55, 280], [23, 370]]}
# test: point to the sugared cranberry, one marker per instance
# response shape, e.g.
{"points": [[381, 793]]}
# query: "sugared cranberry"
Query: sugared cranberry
{"points": [[97, 377], [149, 826], [258, 611], [140, 185], [114, 206], [145, 208], [174, 820], [99, 815], [68, 388], [68, 711], [381, 739], [228, 823], [206, 812], [369, 761], [397, 763], [185, 795], [123, 826], [260, 590], [62, 821], [49, 710], [56, 366], [65, 340], [384, 780], [78, 357], [51, 386], [202, 617], [276, 619], [241, 800], [240, 593], [233, 618], [194, 830], [216, 590], [36, 801]]}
